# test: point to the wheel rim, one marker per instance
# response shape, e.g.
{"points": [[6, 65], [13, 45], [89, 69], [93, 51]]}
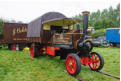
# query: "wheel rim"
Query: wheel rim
{"points": [[32, 51], [71, 64], [13, 47], [95, 61]]}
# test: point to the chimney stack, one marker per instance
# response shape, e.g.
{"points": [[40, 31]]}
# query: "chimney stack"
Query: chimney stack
{"points": [[85, 21]]}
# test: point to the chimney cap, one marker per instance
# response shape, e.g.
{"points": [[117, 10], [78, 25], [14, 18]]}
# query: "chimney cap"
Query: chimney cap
{"points": [[85, 12]]}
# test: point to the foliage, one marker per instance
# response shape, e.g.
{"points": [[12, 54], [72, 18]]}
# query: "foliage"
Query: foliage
{"points": [[107, 18], [100, 32], [1, 25]]}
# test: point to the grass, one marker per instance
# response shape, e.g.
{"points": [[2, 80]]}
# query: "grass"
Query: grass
{"points": [[19, 66], [111, 65]]}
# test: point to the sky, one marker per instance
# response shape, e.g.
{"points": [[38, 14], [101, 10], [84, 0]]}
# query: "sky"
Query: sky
{"points": [[28, 10]]}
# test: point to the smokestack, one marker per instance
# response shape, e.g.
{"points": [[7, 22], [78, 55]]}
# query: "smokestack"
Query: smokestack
{"points": [[85, 22]]}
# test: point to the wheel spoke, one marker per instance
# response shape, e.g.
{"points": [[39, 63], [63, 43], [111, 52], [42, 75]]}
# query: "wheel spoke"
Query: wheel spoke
{"points": [[95, 57], [92, 56], [74, 64], [98, 61], [71, 60], [94, 65]]}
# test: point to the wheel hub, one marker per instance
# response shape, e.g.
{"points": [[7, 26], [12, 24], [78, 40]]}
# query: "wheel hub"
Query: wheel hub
{"points": [[70, 64]]}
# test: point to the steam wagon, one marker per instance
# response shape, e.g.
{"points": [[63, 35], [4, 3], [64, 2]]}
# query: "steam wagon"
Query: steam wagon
{"points": [[54, 34]]}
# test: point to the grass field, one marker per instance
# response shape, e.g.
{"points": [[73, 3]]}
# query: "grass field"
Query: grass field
{"points": [[19, 66]]}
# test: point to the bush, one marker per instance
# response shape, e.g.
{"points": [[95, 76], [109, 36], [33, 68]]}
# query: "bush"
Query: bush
{"points": [[1, 26], [100, 32]]}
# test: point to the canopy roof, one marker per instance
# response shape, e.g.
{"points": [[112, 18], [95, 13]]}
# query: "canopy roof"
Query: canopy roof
{"points": [[55, 18]]}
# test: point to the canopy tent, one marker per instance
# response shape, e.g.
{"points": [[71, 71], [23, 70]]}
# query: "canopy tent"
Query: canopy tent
{"points": [[61, 22], [50, 18]]}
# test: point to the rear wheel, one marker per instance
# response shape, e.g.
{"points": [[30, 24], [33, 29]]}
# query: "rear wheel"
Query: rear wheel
{"points": [[73, 64], [10, 46], [34, 51], [97, 61], [14, 47]]}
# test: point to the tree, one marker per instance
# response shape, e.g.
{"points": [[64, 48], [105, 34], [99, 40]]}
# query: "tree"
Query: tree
{"points": [[107, 18], [104, 19], [1, 25]]}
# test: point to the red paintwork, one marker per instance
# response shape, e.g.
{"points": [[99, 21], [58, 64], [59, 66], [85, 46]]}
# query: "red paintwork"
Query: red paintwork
{"points": [[13, 47], [85, 61], [41, 51], [71, 64], [95, 62], [56, 48], [32, 51], [49, 50]]}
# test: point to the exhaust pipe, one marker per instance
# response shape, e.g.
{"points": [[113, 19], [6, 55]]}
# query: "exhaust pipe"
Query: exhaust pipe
{"points": [[85, 22]]}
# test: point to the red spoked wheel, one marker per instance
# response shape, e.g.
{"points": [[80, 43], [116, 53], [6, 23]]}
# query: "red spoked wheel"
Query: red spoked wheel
{"points": [[73, 64], [14, 47], [97, 61]]}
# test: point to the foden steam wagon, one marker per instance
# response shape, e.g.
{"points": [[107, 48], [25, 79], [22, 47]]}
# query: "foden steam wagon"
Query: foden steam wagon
{"points": [[54, 34]]}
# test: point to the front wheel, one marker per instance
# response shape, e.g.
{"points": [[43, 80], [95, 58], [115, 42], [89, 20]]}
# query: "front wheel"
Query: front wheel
{"points": [[73, 64], [97, 61]]}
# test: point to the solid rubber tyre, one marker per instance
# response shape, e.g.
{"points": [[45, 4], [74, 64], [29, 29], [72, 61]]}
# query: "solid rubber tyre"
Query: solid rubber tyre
{"points": [[100, 61], [75, 65]]}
